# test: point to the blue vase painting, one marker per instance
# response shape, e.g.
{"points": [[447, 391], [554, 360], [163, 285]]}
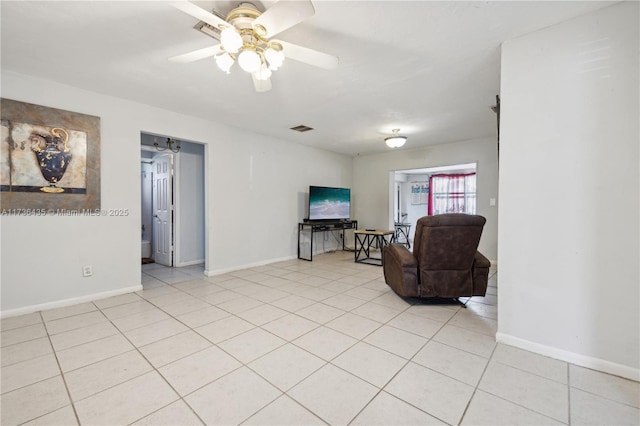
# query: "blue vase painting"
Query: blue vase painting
{"points": [[53, 158]]}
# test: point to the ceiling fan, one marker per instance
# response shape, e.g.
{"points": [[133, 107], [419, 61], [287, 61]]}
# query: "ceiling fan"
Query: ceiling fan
{"points": [[245, 36]]}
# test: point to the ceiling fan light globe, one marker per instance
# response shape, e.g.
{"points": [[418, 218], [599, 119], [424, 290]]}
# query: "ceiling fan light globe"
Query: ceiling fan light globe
{"points": [[274, 57], [224, 62], [249, 60], [230, 39], [263, 73]]}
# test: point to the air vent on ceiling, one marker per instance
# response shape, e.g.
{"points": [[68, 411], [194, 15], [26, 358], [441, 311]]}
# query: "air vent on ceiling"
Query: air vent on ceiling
{"points": [[302, 128], [207, 29]]}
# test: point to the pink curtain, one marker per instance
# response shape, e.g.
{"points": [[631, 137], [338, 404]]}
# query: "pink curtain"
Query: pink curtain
{"points": [[452, 194]]}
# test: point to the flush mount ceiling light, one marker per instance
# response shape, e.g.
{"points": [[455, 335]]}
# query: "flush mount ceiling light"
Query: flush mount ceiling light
{"points": [[245, 37], [395, 141]]}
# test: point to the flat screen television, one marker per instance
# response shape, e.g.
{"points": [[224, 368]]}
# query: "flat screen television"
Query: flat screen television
{"points": [[327, 203]]}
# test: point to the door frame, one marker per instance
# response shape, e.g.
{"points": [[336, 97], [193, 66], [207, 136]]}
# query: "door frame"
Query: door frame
{"points": [[177, 237]]}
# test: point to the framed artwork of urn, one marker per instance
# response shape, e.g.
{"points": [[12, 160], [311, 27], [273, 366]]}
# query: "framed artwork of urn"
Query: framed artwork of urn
{"points": [[50, 159]]}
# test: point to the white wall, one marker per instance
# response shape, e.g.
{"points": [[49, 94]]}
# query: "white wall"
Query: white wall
{"points": [[190, 209], [569, 216], [371, 185], [255, 197]]}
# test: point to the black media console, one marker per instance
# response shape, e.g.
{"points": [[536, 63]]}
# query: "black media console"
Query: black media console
{"points": [[311, 227]]}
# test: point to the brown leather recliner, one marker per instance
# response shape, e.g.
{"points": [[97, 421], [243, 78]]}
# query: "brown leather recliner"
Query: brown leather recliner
{"points": [[445, 261]]}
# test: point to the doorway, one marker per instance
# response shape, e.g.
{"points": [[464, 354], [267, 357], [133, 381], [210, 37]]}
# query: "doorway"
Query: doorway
{"points": [[410, 195], [172, 203]]}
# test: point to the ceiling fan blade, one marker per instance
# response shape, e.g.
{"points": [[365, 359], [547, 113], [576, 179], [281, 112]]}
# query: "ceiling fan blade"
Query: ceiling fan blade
{"points": [[199, 13], [308, 56], [261, 85], [196, 55], [283, 15]]}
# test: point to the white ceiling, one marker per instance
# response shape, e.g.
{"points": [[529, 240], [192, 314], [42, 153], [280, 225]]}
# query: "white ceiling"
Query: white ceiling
{"points": [[431, 69]]}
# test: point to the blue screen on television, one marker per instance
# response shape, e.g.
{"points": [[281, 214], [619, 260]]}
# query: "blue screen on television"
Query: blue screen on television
{"points": [[327, 203]]}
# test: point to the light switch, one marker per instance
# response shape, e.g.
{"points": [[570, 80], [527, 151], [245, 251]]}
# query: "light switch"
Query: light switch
{"points": [[492, 202]]}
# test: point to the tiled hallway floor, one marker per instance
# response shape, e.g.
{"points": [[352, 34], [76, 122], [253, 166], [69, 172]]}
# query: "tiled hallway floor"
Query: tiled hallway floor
{"points": [[291, 343]]}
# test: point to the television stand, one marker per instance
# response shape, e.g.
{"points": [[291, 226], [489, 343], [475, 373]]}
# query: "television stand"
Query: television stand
{"points": [[312, 227]]}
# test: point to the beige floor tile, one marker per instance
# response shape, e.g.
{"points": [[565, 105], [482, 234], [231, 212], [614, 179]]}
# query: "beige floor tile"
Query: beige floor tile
{"points": [[171, 298], [387, 410], [363, 293], [20, 321], [25, 351], [226, 328], [68, 311], [286, 366], [290, 327], [127, 309], [370, 363], [22, 334], [376, 312], [533, 363], [221, 297], [117, 300], [97, 377], [141, 319], [396, 341], [204, 290], [353, 325], [28, 372], [436, 394], [88, 353], [489, 410], [244, 303], [441, 313], [203, 316], [605, 385], [416, 324], [174, 414], [337, 287], [196, 370], [283, 412], [333, 394], [528, 390], [33, 401], [157, 291], [173, 348], [488, 311], [325, 342], [251, 345], [82, 335], [589, 409], [157, 331], [64, 416], [262, 314], [460, 365], [392, 300], [233, 398], [479, 324], [320, 313], [466, 340], [293, 303], [185, 307], [74, 322], [126, 402], [344, 302]]}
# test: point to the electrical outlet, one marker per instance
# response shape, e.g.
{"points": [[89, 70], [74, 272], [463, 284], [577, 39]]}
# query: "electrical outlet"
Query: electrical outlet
{"points": [[87, 271]]}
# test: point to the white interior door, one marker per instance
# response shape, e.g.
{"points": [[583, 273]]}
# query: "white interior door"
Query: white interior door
{"points": [[163, 209]]}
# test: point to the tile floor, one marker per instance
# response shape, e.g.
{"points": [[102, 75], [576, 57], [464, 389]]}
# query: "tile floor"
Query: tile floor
{"points": [[291, 343]]}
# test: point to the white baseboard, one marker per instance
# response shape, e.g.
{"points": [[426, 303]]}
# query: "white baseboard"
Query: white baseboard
{"points": [[68, 302], [571, 357], [246, 266]]}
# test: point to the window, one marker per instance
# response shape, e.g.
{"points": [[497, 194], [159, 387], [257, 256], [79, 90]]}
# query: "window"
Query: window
{"points": [[452, 194]]}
